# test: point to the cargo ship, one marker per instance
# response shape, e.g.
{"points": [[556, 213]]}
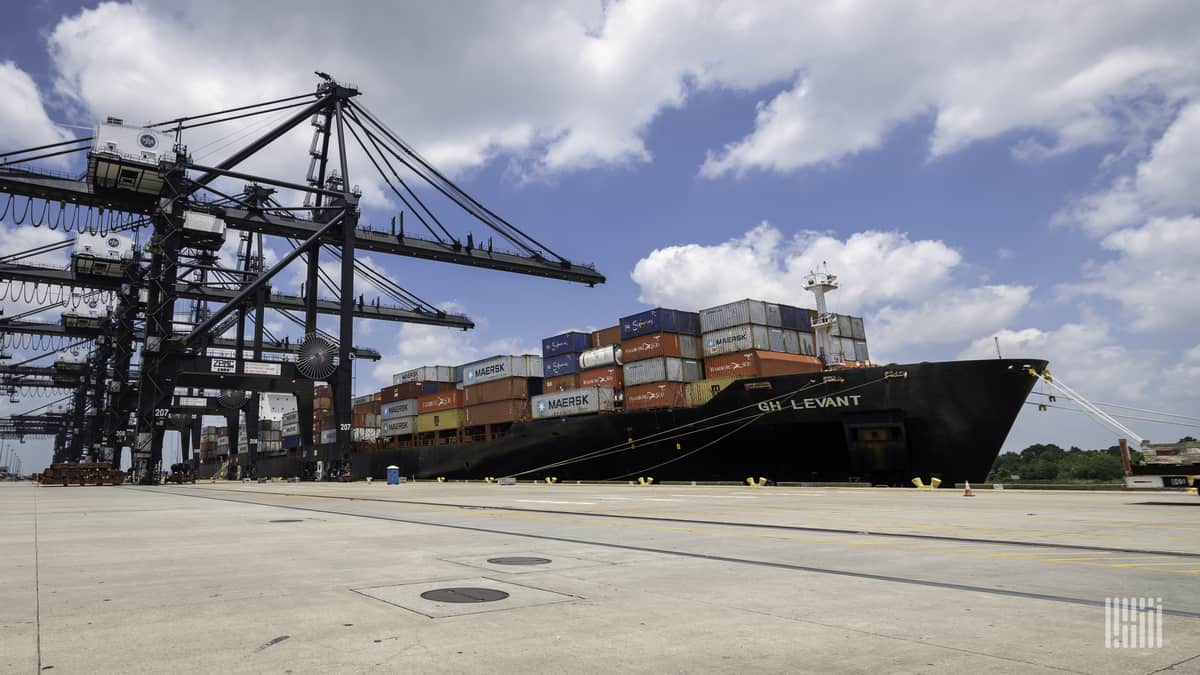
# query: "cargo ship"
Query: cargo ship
{"points": [[749, 389]]}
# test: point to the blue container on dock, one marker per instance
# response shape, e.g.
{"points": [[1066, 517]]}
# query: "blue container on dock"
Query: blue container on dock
{"points": [[291, 442], [660, 320], [564, 364], [572, 342], [393, 475]]}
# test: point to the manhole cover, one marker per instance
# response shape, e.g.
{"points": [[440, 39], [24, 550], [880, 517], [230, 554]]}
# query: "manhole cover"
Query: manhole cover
{"points": [[288, 520], [464, 594], [518, 560]]}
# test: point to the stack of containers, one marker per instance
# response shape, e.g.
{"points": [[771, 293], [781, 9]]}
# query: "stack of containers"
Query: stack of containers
{"points": [[747, 339], [366, 417], [398, 419], [222, 441], [560, 360], [496, 392], [661, 353], [270, 437], [600, 366], [208, 444], [324, 426], [291, 430], [850, 339]]}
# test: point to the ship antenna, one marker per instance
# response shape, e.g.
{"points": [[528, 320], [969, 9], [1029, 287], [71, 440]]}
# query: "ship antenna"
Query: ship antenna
{"points": [[820, 283]]}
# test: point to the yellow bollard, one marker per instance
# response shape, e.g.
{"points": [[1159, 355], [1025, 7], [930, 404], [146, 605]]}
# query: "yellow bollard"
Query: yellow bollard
{"points": [[441, 479], [645, 480], [551, 480], [935, 482], [920, 484], [756, 483]]}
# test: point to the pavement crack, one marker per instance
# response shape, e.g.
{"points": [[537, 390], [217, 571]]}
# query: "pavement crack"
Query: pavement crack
{"points": [[272, 642], [1173, 665]]}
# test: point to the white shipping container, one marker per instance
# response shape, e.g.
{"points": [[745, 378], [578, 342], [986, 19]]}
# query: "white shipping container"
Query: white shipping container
{"points": [[662, 369], [403, 408], [737, 339], [846, 347], [573, 402], [808, 345], [359, 400], [734, 314], [791, 342], [329, 436], [291, 429], [860, 351], [600, 357], [292, 417], [774, 316], [401, 426], [857, 330], [501, 367], [425, 374], [775, 339], [364, 434]]}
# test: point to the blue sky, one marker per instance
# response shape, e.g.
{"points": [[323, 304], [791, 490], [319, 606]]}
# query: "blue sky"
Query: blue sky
{"points": [[967, 175]]}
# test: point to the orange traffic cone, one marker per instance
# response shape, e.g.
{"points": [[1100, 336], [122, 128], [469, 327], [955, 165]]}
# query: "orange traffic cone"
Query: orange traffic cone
{"points": [[967, 492]]}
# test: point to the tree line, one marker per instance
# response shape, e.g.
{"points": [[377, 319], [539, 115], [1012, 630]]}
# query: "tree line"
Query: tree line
{"points": [[1049, 462]]}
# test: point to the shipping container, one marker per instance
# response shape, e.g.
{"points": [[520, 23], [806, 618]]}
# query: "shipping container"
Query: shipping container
{"points": [[291, 442], [606, 337], [739, 313], [659, 320], [775, 339], [399, 392], [364, 434], [857, 330], [496, 412], [442, 419], [843, 326], [573, 402], [292, 417], [399, 426], [603, 377], [660, 344], [560, 383], [795, 318], [403, 408], [703, 391], [441, 401], [563, 364], [662, 369], [608, 355], [742, 338], [572, 342], [502, 390], [759, 364], [501, 367], [425, 374], [845, 346], [291, 429], [656, 395], [361, 400], [860, 351], [329, 436]]}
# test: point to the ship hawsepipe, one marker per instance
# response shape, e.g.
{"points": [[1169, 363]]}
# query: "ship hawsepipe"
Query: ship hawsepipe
{"points": [[883, 425]]}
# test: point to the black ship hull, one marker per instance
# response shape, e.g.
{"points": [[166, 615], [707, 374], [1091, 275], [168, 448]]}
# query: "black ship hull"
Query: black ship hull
{"points": [[883, 425]]}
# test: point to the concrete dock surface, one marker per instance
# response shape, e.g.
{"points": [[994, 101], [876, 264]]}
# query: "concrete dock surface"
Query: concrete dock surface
{"points": [[454, 577]]}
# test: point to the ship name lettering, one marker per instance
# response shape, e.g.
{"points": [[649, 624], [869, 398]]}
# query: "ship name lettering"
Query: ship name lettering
{"points": [[813, 403]]}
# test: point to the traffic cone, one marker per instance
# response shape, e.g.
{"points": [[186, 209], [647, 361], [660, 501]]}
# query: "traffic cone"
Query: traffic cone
{"points": [[968, 492]]}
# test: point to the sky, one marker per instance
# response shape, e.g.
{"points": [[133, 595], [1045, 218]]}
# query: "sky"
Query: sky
{"points": [[971, 171]]}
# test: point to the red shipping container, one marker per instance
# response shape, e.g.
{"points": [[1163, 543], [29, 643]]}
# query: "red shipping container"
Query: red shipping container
{"points": [[497, 412], [656, 395], [606, 336], [442, 401], [613, 376], [497, 390], [560, 383], [660, 344], [760, 364]]}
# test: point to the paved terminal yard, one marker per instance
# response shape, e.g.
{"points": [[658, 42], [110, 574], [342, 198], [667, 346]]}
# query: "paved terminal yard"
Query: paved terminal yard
{"points": [[333, 578]]}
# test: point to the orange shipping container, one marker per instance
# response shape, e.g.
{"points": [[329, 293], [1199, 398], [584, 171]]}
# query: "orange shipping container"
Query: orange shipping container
{"points": [[760, 364], [497, 390], [660, 344], [606, 336], [497, 412], [656, 395], [442, 401], [560, 383], [603, 377]]}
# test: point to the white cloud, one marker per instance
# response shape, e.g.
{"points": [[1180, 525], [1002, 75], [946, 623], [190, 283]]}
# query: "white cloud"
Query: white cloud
{"points": [[1153, 276], [1162, 184], [568, 86], [23, 119], [905, 288]]}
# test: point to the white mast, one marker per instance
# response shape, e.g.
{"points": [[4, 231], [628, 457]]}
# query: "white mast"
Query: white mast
{"points": [[820, 283]]}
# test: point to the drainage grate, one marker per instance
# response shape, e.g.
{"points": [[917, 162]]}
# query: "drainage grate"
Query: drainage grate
{"points": [[288, 520], [464, 594], [519, 560]]}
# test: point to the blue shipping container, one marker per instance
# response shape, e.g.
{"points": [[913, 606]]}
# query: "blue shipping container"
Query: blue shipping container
{"points": [[567, 343], [291, 442], [564, 364], [795, 318], [660, 320]]}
